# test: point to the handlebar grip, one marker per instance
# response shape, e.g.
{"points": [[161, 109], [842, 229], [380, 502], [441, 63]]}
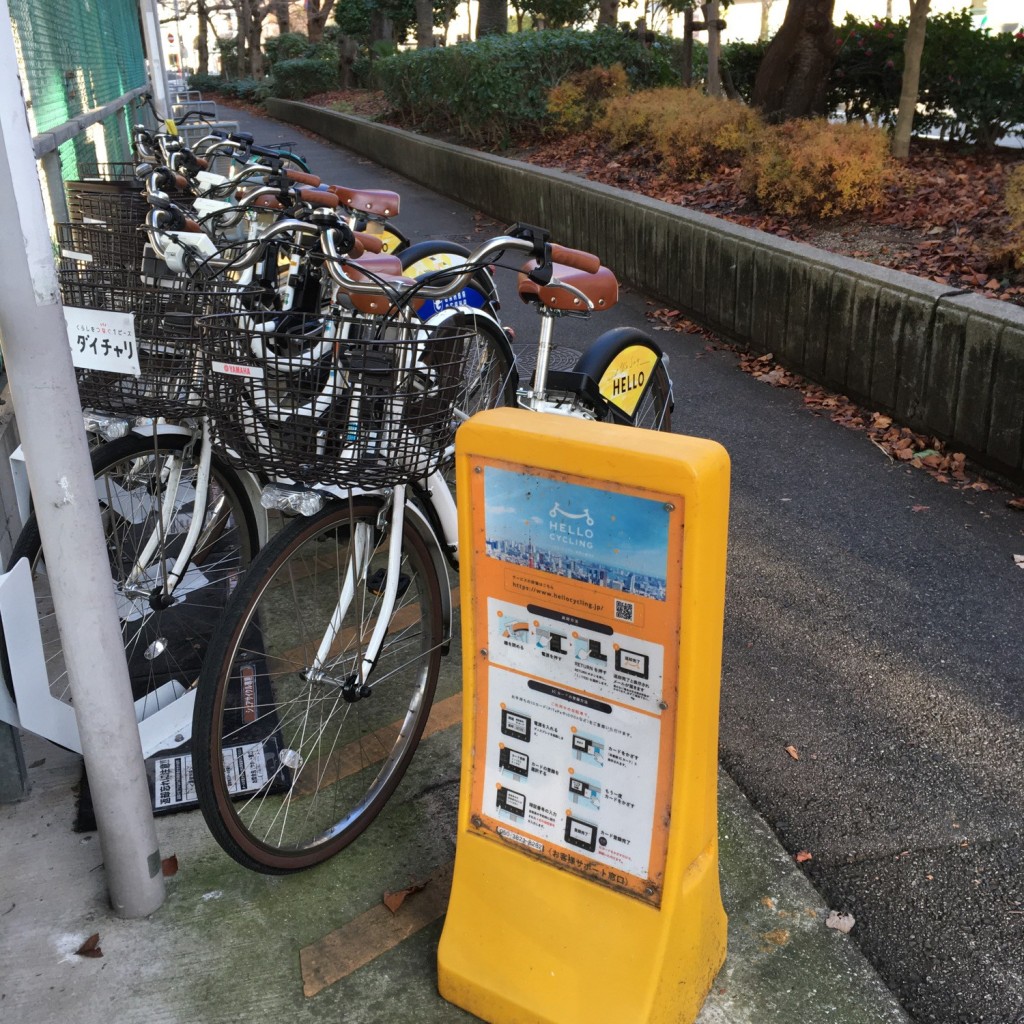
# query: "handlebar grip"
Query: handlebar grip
{"points": [[301, 178], [192, 225], [315, 197], [576, 258], [368, 242]]}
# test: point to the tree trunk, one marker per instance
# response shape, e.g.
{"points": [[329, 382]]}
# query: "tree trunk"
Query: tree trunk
{"points": [[913, 47], [242, 58], [791, 81], [348, 51], [608, 13], [424, 24], [317, 13], [492, 18], [203, 38], [382, 28], [714, 82], [766, 8], [282, 15], [688, 47], [255, 41]]}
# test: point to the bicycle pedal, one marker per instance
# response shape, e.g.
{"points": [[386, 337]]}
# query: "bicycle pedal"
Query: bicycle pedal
{"points": [[376, 583]]}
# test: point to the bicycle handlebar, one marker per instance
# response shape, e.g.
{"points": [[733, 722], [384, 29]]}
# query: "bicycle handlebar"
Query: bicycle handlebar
{"points": [[533, 244]]}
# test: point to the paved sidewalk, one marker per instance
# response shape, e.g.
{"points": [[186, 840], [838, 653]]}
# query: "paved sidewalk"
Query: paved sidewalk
{"points": [[228, 944]]}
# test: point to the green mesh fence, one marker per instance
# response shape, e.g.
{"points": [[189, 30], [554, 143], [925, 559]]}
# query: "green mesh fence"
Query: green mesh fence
{"points": [[76, 55]]}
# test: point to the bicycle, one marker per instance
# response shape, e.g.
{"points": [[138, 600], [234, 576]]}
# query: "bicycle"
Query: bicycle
{"points": [[322, 671], [181, 523]]}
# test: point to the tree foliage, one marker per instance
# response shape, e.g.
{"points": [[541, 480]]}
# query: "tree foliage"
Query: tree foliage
{"points": [[494, 89], [370, 21], [971, 86]]}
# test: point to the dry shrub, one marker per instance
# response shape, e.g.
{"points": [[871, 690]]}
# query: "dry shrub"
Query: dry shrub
{"points": [[814, 168], [684, 131], [579, 99]]}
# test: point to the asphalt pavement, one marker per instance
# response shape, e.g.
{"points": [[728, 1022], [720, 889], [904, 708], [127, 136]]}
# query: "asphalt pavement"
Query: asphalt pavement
{"points": [[874, 624]]}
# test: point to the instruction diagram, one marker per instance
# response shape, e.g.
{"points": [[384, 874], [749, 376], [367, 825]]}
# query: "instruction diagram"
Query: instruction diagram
{"points": [[575, 611]]}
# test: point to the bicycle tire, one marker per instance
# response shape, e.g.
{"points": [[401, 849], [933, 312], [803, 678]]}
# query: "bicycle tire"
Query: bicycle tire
{"points": [[491, 378], [161, 643], [325, 759]]}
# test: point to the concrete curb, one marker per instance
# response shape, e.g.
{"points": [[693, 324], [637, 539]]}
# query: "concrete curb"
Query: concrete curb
{"points": [[943, 362]]}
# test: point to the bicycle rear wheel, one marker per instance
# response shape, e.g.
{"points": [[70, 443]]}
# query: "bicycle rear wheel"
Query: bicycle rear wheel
{"points": [[146, 489], [293, 754], [654, 410], [629, 357]]}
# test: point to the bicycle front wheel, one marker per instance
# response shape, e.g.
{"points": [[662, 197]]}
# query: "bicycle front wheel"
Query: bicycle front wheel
{"points": [[296, 748], [490, 374], [146, 488]]}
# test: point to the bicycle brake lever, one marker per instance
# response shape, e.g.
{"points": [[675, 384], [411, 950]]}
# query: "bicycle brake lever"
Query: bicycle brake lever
{"points": [[537, 237]]}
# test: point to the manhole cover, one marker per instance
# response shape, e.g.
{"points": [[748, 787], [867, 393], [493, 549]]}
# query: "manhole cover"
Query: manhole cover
{"points": [[561, 359]]}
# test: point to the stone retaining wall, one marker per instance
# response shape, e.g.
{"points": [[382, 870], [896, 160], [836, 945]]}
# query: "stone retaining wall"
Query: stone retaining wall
{"points": [[942, 362]]}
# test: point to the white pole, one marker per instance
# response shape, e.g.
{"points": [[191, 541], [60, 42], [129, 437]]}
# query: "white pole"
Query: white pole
{"points": [[150, 16], [42, 381]]}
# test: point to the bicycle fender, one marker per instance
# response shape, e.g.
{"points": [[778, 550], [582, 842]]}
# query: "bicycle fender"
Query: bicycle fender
{"points": [[146, 429], [621, 363], [429, 256], [412, 508]]}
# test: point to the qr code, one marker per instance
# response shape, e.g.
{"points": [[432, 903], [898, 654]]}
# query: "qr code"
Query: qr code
{"points": [[624, 611]]}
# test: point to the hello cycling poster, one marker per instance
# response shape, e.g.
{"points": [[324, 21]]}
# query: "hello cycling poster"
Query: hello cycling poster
{"points": [[577, 592]]}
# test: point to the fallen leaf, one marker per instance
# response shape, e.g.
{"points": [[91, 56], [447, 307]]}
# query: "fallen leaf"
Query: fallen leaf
{"points": [[794, 753], [840, 922], [919, 508], [169, 865], [394, 899], [1018, 560], [803, 857], [1017, 503], [91, 946]]}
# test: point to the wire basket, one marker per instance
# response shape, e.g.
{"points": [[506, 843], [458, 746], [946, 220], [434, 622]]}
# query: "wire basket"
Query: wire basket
{"points": [[123, 171], [166, 323], [84, 246], [114, 207], [113, 197], [332, 399]]}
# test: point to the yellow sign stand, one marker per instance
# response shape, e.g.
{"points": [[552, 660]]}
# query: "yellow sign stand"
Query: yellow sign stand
{"points": [[593, 589]]}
